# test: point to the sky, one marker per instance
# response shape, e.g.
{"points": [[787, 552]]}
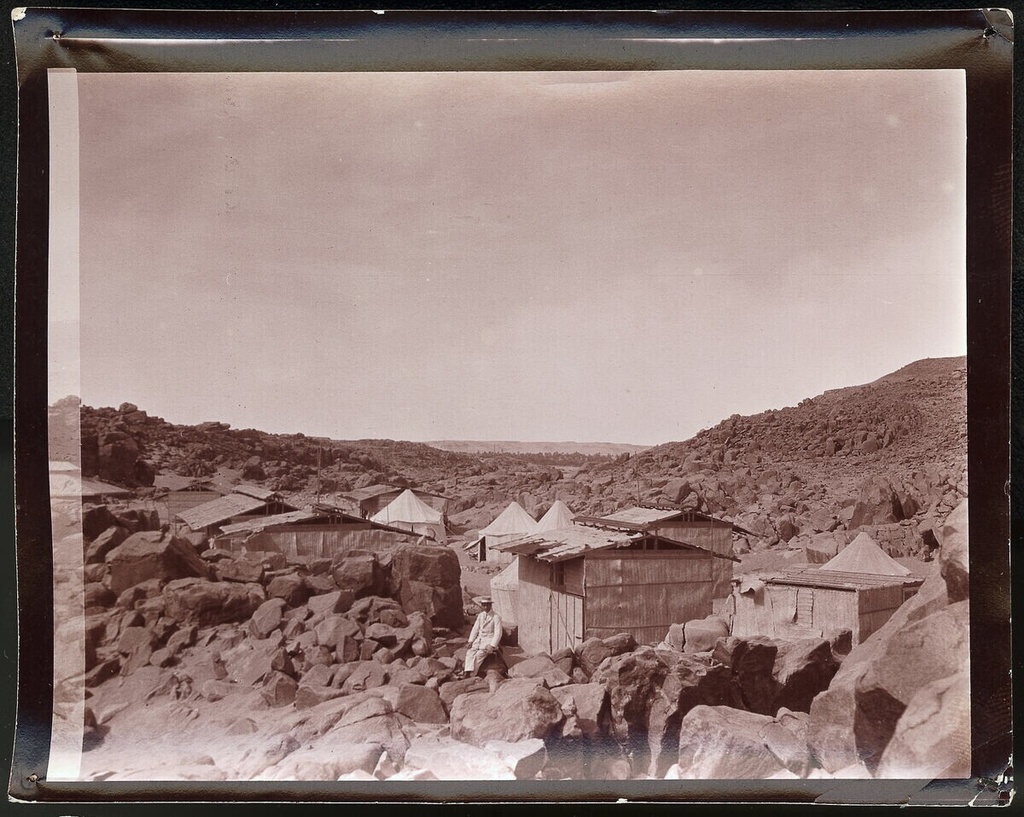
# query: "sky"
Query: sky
{"points": [[592, 256]]}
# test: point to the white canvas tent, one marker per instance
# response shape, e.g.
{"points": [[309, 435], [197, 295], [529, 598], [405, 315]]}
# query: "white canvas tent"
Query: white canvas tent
{"points": [[558, 516], [504, 591], [409, 512], [510, 524], [863, 555]]}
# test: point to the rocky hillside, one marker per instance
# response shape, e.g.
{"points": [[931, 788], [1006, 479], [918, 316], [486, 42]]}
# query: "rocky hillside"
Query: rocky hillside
{"points": [[517, 447], [891, 452], [890, 455]]}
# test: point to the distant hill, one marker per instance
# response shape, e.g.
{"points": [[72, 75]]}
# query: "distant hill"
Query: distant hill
{"points": [[897, 444], [516, 447]]}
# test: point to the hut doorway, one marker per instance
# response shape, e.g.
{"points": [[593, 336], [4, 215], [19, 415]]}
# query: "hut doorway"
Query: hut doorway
{"points": [[566, 617]]}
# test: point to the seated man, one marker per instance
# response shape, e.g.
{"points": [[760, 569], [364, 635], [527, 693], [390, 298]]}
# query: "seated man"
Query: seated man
{"points": [[484, 637]]}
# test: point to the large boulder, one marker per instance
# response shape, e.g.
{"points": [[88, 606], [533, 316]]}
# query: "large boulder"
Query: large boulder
{"points": [[877, 504], [632, 680], [238, 570], [751, 661], [96, 551], [95, 520], [335, 601], [802, 669], [451, 690], [334, 631], [932, 738], [152, 555], [266, 618], [375, 609], [118, 454], [927, 651], [591, 653], [290, 588], [837, 727], [541, 668], [518, 709], [320, 763], [204, 603], [719, 742], [822, 547], [427, 578], [588, 704], [386, 730], [448, 759], [420, 704], [953, 554], [278, 689], [361, 573], [701, 635], [525, 758]]}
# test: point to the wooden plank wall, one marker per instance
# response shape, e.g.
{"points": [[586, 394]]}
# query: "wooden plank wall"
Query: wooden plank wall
{"points": [[574, 581], [834, 609], [714, 536], [315, 541], [793, 612], [534, 606], [876, 606], [644, 592]]}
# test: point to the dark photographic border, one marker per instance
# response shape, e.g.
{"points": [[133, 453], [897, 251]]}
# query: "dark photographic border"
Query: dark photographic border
{"points": [[976, 41]]}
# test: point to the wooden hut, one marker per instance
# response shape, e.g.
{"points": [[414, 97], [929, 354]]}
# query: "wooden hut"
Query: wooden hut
{"points": [[505, 585], [583, 581], [243, 503], [319, 531], [858, 590], [693, 527]]}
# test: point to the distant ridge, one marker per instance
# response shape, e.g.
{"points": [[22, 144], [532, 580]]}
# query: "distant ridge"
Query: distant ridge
{"points": [[516, 447]]}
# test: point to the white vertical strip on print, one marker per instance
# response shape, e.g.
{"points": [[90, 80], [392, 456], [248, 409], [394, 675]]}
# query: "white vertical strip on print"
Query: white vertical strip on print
{"points": [[63, 379]]}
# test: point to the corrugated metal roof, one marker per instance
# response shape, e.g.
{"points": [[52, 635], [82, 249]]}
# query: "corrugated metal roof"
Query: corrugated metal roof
{"points": [[219, 510], [254, 491], [570, 542], [565, 543], [325, 512], [264, 522], [815, 577], [642, 516]]}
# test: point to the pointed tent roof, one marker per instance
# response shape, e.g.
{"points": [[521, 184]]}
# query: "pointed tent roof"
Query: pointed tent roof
{"points": [[512, 520], [407, 507], [862, 555], [558, 516]]}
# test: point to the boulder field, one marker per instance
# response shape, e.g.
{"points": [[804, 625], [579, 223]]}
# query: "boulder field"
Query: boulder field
{"points": [[221, 665]]}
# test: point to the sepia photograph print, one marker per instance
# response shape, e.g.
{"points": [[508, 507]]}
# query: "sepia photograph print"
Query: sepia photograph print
{"points": [[407, 426]]}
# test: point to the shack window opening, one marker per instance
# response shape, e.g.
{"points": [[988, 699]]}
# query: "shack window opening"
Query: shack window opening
{"points": [[558, 575]]}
